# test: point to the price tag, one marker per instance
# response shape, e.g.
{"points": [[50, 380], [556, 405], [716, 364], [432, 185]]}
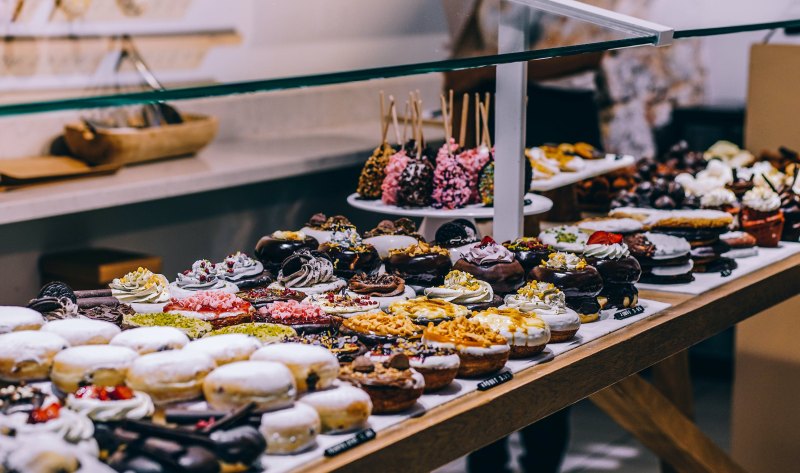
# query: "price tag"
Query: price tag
{"points": [[624, 314], [495, 380], [725, 273], [352, 442]]}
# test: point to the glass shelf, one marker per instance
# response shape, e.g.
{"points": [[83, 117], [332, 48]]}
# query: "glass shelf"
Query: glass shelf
{"points": [[266, 50]]}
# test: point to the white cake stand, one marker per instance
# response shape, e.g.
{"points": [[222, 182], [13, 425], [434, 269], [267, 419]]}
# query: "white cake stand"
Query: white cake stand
{"points": [[432, 218]]}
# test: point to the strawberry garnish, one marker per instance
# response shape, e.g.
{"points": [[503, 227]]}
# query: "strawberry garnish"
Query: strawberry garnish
{"points": [[44, 414], [486, 241], [604, 238]]}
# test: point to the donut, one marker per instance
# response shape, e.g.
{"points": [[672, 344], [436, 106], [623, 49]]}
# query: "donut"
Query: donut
{"points": [[151, 339], [28, 355], [226, 348], [83, 331], [313, 367], [268, 384], [14, 318], [102, 365], [341, 409], [290, 430], [170, 376]]}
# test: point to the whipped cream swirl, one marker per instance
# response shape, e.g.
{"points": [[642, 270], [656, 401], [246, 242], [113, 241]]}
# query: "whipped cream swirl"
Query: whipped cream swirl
{"points": [[142, 286], [490, 253], [718, 198], [614, 251], [136, 408], [461, 288], [537, 296], [202, 277], [288, 235], [564, 261], [313, 270], [71, 426], [238, 266], [762, 199]]}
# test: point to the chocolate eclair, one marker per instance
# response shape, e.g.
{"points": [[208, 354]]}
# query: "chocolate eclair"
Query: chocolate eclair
{"points": [[580, 282], [420, 264], [350, 254], [272, 249]]}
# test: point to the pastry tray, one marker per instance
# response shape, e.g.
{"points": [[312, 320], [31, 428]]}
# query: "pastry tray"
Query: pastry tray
{"points": [[23, 172]]}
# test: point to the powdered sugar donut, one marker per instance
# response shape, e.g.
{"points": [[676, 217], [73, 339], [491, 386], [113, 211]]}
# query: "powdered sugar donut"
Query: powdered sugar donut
{"points": [[83, 331], [103, 365], [226, 348], [290, 430], [146, 340], [13, 319], [341, 409], [268, 384], [28, 355], [313, 367], [170, 376]]}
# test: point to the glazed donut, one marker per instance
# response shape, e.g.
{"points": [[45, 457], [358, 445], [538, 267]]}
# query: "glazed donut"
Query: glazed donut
{"points": [[170, 376], [28, 355], [83, 331], [13, 319], [270, 385], [103, 365], [226, 348], [341, 409], [290, 430], [146, 340], [313, 367]]}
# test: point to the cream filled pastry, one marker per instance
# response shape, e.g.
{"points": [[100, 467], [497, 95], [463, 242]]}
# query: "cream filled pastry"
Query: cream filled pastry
{"points": [[341, 409], [220, 309], [290, 430], [170, 376], [580, 282], [201, 277], [242, 270], [227, 348], [141, 286], [111, 404], [101, 365], [314, 368], [527, 333], [51, 418], [19, 318], [146, 340], [310, 272], [83, 331], [267, 384], [463, 288], [27, 355], [423, 310], [549, 303], [620, 271]]}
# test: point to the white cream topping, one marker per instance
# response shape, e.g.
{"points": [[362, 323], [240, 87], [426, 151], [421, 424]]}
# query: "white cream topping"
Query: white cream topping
{"points": [[146, 340], [31, 345], [268, 382], [718, 198], [762, 199], [83, 331], [468, 349], [436, 362], [673, 270], [238, 266], [12, 317], [613, 252], [313, 271], [565, 261], [613, 225], [329, 307], [71, 426], [668, 246], [141, 285], [169, 367], [226, 348], [564, 238], [529, 335], [461, 288], [288, 235], [140, 406]]}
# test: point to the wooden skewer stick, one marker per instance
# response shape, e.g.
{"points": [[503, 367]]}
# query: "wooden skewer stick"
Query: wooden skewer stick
{"points": [[478, 134], [383, 117], [393, 110], [485, 119], [405, 124], [488, 103], [462, 135], [446, 125], [450, 113], [413, 116]]}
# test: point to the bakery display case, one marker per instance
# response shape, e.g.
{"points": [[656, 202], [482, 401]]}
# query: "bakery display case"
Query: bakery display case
{"points": [[337, 345]]}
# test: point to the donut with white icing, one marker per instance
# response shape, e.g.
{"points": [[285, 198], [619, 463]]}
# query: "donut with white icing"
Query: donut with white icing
{"points": [[103, 365], [313, 367], [28, 355], [83, 331], [226, 348], [14, 318], [341, 409], [146, 340], [170, 376], [290, 430], [268, 384]]}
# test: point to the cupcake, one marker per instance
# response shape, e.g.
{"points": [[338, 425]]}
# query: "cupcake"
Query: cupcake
{"points": [[580, 282], [220, 309], [382, 288], [201, 277], [309, 272], [373, 173], [350, 254], [620, 271], [481, 350], [301, 316], [243, 271], [320, 227], [424, 311], [526, 332], [493, 263], [450, 181], [420, 264], [529, 251], [261, 296], [464, 289], [549, 303], [392, 385], [438, 365], [389, 235], [141, 287], [343, 306], [416, 184], [564, 238], [762, 216], [379, 327], [391, 183], [345, 348], [457, 236], [273, 249]]}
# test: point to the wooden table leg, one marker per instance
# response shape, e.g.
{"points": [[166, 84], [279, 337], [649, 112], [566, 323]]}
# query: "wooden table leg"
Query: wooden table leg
{"points": [[673, 379], [643, 411]]}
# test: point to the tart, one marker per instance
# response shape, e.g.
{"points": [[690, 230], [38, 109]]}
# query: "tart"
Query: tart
{"points": [[272, 249], [393, 386], [423, 310], [309, 272], [379, 327], [493, 263], [620, 271], [526, 332], [457, 236], [192, 327], [420, 265], [464, 289], [267, 333], [762, 216], [350, 254], [346, 348], [343, 306], [580, 282], [142, 288], [564, 238], [389, 235], [201, 277], [243, 271], [438, 365], [664, 259], [301, 316], [481, 350], [529, 251], [383, 288], [220, 309], [261, 296], [549, 303], [321, 226]]}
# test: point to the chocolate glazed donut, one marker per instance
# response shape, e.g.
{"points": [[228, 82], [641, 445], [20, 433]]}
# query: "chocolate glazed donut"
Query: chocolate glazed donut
{"points": [[348, 262], [529, 259], [580, 287], [621, 271], [504, 277], [423, 270], [271, 251]]}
